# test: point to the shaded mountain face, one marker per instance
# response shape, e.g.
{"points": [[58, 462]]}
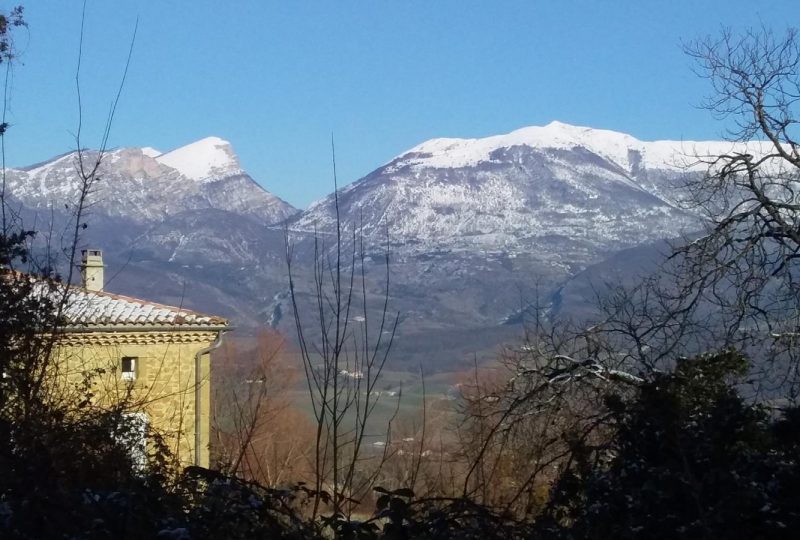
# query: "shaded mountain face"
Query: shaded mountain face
{"points": [[477, 230]]}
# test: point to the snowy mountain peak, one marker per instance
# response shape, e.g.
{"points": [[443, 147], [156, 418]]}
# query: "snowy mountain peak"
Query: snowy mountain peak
{"points": [[208, 159], [612, 145]]}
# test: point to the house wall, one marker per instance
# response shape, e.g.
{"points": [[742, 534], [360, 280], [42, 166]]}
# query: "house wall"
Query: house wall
{"points": [[165, 386]]}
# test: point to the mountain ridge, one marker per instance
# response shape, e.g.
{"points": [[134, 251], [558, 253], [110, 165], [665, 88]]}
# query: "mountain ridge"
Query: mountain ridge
{"points": [[615, 145], [133, 183], [499, 189]]}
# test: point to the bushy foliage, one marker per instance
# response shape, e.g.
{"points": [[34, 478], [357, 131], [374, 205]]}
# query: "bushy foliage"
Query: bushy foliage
{"points": [[691, 459]]}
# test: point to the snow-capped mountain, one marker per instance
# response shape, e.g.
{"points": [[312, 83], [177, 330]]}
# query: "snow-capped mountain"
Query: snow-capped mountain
{"points": [[480, 228], [184, 227], [144, 185], [582, 191], [620, 148]]}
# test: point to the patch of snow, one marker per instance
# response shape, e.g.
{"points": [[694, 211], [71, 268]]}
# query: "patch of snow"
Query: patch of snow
{"points": [[151, 152], [208, 159]]}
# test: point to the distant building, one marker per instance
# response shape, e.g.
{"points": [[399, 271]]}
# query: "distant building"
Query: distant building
{"points": [[157, 354], [351, 374]]}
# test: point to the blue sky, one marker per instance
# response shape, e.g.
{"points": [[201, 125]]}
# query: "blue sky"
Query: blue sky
{"points": [[277, 78]]}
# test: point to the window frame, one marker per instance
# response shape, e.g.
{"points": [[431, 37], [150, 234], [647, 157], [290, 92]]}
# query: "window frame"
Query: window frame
{"points": [[131, 374]]}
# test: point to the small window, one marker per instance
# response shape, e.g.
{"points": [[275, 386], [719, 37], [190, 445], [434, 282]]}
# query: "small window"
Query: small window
{"points": [[129, 368]]}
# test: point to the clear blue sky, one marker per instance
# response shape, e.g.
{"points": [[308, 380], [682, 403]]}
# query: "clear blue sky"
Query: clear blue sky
{"points": [[276, 78]]}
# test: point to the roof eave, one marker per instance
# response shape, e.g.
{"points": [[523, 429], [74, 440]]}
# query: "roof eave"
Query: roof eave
{"points": [[88, 328]]}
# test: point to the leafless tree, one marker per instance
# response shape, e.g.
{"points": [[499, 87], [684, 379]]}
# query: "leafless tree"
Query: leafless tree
{"points": [[343, 358], [733, 285], [38, 401], [29, 368], [519, 425], [261, 436], [746, 261]]}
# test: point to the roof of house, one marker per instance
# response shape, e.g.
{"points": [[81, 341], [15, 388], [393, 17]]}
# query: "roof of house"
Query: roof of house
{"points": [[85, 308], [96, 308]]}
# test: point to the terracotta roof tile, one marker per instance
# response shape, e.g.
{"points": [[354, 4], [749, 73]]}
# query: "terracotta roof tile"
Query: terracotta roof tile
{"points": [[89, 308]]}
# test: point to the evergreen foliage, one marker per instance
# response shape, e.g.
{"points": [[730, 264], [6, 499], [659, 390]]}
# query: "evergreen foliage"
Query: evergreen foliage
{"points": [[690, 459]]}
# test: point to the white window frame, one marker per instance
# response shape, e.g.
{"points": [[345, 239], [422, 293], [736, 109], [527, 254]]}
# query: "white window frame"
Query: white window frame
{"points": [[128, 375]]}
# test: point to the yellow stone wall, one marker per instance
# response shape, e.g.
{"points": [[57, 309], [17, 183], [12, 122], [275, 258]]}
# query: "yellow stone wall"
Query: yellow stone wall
{"points": [[165, 387]]}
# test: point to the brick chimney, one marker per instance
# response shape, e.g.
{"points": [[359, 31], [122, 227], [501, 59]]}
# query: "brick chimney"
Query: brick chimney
{"points": [[92, 269]]}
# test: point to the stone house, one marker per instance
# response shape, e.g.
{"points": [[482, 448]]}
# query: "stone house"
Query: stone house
{"points": [[152, 355]]}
